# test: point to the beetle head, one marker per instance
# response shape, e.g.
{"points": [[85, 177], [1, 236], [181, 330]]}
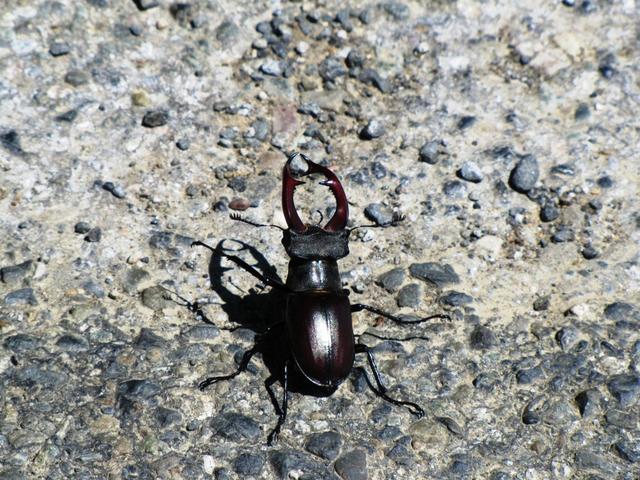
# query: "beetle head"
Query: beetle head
{"points": [[310, 241]]}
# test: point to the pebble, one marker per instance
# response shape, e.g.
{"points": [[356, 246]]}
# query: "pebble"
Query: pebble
{"points": [[15, 273], [355, 59], [183, 144], [409, 296], [115, 189], [620, 311], [155, 118], [155, 298], [10, 141], [331, 68], [93, 235], [454, 189], [582, 112], [482, 338], [57, 49], [588, 402], [82, 227], [625, 388], [148, 339], [369, 76], [391, 280], [247, 464], [374, 129], [239, 204], [432, 151], [23, 296], [138, 389], [563, 234], [467, 121], [470, 172], [379, 213], [439, 275], [146, 4], [226, 32], [76, 78], [541, 304], [72, 343], [235, 426], [286, 461], [629, 451], [325, 445], [549, 213], [272, 67], [525, 174], [397, 10], [21, 343], [455, 299], [589, 253], [566, 337]]}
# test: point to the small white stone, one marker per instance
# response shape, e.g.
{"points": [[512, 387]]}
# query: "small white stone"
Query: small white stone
{"points": [[421, 48], [208, 464], [302, 48]]}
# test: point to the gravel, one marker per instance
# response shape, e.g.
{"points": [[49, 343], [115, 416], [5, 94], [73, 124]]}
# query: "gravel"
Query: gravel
{"points": [[509, 146]]}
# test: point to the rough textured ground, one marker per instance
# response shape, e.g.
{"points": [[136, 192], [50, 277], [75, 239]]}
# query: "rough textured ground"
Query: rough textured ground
{"points": [[507, 135]]}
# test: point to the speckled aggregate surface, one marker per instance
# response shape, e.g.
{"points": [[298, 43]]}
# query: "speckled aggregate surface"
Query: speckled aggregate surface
{"points": [[505, 133]]}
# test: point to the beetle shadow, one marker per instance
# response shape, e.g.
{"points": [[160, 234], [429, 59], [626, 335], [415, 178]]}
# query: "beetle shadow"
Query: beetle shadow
{"points": [[260, 310]]}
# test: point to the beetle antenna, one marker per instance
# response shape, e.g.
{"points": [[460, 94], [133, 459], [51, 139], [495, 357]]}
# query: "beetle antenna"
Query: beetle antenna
{"points": [[319, 212], [240, 218], [395, 220]]}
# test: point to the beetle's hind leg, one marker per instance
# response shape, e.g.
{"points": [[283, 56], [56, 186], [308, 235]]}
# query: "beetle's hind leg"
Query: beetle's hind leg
{"points": [[379, 389], [281, 409], [358, 307]]}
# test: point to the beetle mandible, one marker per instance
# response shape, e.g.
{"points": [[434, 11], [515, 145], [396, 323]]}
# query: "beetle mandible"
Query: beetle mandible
{"points": [[317, 319]]}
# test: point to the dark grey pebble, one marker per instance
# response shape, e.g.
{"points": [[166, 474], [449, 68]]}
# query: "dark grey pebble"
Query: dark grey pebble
{"points": [[437, 274], [564, 169], [57, 49], [485, 382], [10, 141], [470, 172], [15, 273], [401, 455], [466, 122], [374, 129], [285, 461], [625, 388], [331, 68], [454, 189], [93, 235], [235, 426], [588, 402], [588, 460], [369, 76], [397, 10], [24, 296], [461, 466], [183, 144], [82, 227], [582, 111], [115, 189], [541, 304], [39, 377], [167, 417], [248, 464], [619, 311], [352, 465], [148, 339], [391, 280], [72, 343], [566, 337], [367, 15], [589, 253], [549, 213], [431, 152], [136, 30], [21, 343], [563, 234], [355, 59], [409, 295], [68, 116], [343, 18], [527, 376], [325, 444], [146, 4], [261, 129], [525, 174], [453, 426], [499, 476], [455, 299], [629, 451], [155, 118], [138, 389], [76, 78], [155, 298], [379, 213], [482, 338], [202, 332], [605, 181]]}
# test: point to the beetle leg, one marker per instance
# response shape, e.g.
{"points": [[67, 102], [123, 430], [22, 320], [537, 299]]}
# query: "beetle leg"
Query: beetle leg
{"points": [[272, 282], [281, 410], [244, 363], [238, 218], [381, 390], [358, 307]]}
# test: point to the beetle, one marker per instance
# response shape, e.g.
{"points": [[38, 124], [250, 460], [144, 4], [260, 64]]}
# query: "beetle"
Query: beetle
{"points": [[320, 342]]}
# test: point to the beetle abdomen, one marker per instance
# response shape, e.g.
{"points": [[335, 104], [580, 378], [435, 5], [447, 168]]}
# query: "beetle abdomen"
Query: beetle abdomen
{"points": [[321, 335]]}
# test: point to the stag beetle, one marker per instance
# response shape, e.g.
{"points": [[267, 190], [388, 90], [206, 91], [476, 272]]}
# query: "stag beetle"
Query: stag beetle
{"points": [[321, 345]]}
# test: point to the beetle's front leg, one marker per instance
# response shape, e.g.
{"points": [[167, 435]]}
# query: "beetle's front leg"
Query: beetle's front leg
{"points": [[381, 390], [281, 410], [244, 364], [358, 307]]}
